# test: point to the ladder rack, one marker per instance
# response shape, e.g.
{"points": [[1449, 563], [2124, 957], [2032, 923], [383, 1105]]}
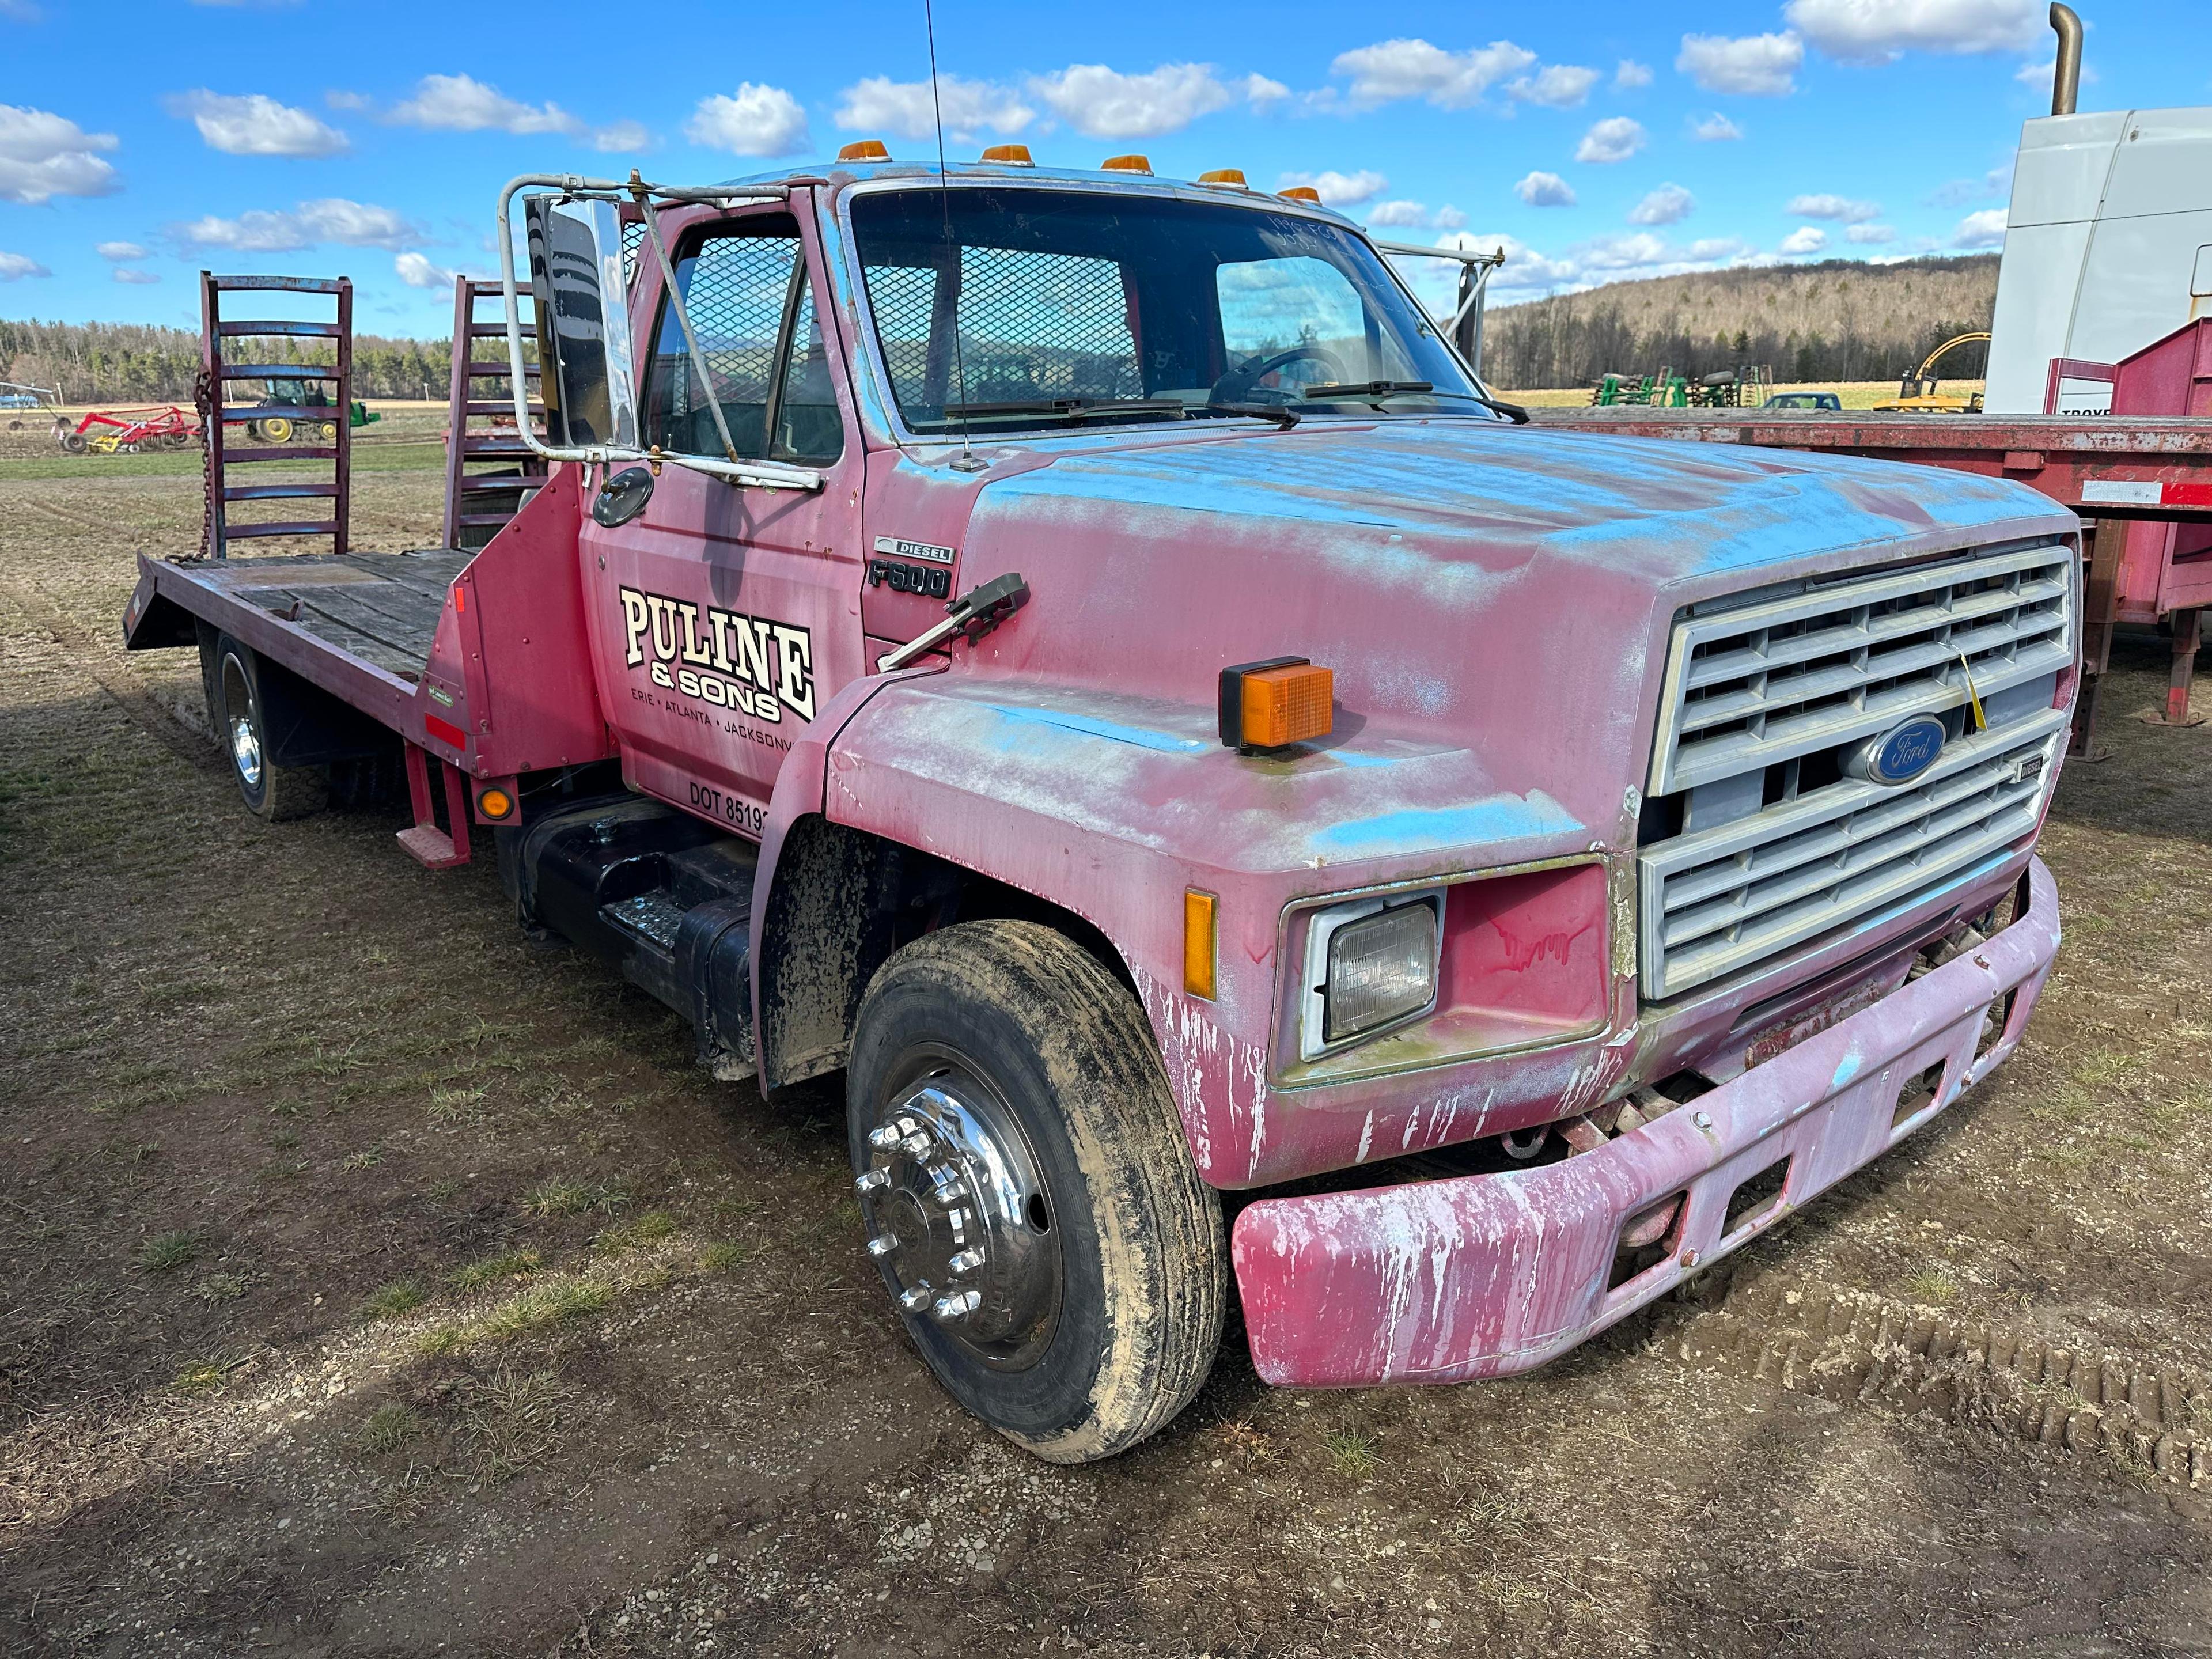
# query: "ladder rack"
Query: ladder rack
{"points": [[479, 503], [220, 415]]}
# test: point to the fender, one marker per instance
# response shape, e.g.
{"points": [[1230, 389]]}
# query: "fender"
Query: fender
{"points": [[1108, 806]]}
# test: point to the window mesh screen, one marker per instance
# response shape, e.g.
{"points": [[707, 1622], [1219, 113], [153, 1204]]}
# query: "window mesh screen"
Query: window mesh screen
{"points": [[1031, 325], [735, 289]]}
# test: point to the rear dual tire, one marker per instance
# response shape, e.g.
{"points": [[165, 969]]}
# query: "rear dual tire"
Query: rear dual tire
{"points": [[1020, 1064], [238, 714]]}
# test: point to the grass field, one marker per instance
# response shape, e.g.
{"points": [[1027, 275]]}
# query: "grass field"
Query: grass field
{"points": [[378, 1283]]}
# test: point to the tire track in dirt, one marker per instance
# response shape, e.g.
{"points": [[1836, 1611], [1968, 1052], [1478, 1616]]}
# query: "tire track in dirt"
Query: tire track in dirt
{"points": [[107, 663], [1857, 1348]]}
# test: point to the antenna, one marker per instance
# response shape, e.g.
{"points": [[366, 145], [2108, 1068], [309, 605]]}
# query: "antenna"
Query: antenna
{"points": [[967, 463]]}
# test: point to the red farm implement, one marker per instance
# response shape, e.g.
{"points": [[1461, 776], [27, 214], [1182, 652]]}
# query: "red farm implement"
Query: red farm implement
{"points": [[128, 431]]}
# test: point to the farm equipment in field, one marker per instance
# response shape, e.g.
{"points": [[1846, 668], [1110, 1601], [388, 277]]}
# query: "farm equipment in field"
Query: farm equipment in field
{"points": [[128, 431], [1917, 391], [302, 402]]}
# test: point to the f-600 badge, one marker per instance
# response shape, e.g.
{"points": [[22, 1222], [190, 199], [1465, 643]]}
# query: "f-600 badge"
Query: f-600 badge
{"points": [[721, 656]]}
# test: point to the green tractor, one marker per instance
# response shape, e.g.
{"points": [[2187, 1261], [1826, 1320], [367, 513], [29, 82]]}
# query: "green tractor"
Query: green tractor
{"points": [[304, 393]]}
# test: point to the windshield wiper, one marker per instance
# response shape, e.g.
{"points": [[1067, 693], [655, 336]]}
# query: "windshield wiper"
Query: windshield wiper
{"points": [[1074, 408], [1364, 391], [1281, 413]]}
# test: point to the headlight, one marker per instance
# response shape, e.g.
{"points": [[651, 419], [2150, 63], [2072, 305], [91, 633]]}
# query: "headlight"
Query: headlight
{"points": [[1369, 964]]}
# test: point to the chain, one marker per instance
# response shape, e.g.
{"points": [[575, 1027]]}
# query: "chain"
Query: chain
{"points": [[209, 401]]}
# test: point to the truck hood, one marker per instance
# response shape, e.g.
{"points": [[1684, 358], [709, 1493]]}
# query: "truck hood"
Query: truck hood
{"points": [[1495, 603]]}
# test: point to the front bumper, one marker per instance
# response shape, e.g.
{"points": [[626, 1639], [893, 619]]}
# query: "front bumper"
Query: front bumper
{"points": [[1485, 1275]]}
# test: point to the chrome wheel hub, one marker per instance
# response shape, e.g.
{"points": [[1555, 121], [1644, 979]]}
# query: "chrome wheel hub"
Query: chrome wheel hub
{"points": [[958, 1220], [245, 750]]}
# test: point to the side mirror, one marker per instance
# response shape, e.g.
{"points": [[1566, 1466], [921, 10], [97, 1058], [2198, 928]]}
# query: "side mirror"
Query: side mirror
{"points": [[586, 379], [621, 497]]}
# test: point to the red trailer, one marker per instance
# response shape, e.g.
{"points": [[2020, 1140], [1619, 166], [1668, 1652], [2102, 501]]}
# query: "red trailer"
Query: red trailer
{"points": [[1082, 656]]}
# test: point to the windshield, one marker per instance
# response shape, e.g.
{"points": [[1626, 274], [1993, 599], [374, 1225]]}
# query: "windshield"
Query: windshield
{"points": [[1079, 306]]}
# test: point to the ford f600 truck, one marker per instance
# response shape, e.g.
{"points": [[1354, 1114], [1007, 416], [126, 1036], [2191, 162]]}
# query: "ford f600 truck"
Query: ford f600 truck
{"points": [[1084, 656]]}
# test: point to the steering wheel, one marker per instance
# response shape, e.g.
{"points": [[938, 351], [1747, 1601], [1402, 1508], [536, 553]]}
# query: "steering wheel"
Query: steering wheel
{"points": [[1241, 381]]}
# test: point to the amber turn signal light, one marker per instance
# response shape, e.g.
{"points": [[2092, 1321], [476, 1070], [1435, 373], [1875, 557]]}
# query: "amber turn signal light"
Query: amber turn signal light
{"points": [[1011, 156], [496, 803], [1232, 177], [1126, 164], [1301, 193], [1269, 705], [1198, 950], [865, 150]]}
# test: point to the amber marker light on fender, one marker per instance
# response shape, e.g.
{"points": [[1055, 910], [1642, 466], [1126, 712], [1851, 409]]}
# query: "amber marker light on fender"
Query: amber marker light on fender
{"points": [[1273, 704], [496, 803], [1199, 951]]}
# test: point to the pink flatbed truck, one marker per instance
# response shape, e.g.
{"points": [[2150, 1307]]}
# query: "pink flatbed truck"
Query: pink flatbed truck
{"points": [[1084, 656]]}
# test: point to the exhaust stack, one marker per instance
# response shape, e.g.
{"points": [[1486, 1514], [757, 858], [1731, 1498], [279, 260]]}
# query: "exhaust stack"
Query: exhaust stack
{"points": [[2066, 77]]}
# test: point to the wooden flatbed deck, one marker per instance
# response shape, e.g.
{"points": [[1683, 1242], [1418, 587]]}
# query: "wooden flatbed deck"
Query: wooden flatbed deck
{"points": [[382, 608]]}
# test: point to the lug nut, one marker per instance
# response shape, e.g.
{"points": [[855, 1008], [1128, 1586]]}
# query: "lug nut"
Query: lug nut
{"points": [[945, 1183], [882, 1245], [871, 1180], [883, 1137], [958, 1305], [966, 1262], [917, 1144], [914, 1300]]}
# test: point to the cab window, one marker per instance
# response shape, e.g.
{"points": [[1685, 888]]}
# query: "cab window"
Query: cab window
{"points": [[768, 369]]}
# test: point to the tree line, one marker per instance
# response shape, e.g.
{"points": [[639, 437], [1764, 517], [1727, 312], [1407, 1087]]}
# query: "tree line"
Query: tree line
{"points": [[1837, 320], [134, 362]]}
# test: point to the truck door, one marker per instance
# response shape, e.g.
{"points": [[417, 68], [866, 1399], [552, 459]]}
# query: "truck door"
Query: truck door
{"points": [[725, 616]]}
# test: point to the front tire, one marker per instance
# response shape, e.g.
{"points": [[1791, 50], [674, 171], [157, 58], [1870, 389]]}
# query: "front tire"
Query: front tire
{"points": [[237, 713], [1028, 1195]]}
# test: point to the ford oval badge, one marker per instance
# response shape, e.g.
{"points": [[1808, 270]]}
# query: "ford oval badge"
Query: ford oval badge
{"points": [[1901, 753]]}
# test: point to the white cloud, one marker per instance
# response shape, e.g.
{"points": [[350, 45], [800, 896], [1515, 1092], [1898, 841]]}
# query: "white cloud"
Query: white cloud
{"points": [[1614, 139], [417, 272], [621, 137], [14, 267], [1881, 31], [1669, 204], [1545, 189], [1449, 218], [1959, 191], [1556, 86], [124, 274], [461, 103], [250, 124], [1413, 69], [761, 120], [1340, 189], [1871, 234], [1100, 102], [2039, 76], [43, 156], [1624, 256], [1750, 66], [1718, 248], [334, 219], [1261, 93], [903, 108], [1982, 229], [1631, 73], [1838, 208], [1715, 129], [350, 100], [121, 251], [1806, 239], [1399, 215]]}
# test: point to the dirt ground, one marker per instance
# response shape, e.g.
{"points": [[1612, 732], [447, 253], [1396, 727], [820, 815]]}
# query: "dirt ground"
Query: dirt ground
{"points": [[376, 1282]]}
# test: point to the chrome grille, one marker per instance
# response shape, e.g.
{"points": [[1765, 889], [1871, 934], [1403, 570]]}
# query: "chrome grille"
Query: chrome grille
{"points": [[1782, 677], [1716, 902]]}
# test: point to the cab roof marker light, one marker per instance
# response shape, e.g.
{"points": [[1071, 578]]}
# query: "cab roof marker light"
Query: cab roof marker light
{"points": [[1301, 193], [1227, 177], [1010, 155], [866, 149], [1128, 164]]}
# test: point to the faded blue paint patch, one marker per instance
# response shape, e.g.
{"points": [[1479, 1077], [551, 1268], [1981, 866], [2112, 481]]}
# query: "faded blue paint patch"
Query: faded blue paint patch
{"points": [[1477, 823], [1162, 742], [1845, 1071]]}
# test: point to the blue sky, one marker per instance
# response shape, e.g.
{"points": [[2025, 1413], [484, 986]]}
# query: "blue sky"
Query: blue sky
{"points": [[141, 140]]}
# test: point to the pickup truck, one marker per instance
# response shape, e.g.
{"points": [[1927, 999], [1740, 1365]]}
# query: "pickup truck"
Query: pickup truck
{"points": [[1083, 656]]}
